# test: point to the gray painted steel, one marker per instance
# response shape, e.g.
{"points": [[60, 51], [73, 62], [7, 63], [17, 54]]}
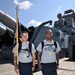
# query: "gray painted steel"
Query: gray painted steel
{"points": [[63, 31]]}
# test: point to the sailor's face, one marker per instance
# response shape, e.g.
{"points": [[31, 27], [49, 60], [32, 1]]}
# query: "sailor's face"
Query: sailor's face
{"points": [[25, 36], [48, 34]]}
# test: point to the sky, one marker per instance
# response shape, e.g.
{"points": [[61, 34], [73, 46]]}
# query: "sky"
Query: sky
{"points": [[35, 12]]}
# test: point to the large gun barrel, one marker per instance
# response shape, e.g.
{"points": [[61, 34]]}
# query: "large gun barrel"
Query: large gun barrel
{"points": [[2, 30], [7, 20], [11, 23]]}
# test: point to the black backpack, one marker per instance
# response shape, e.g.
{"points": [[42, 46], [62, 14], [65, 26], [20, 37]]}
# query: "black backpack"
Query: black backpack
{"points": [[29, 50], [42, 44]]}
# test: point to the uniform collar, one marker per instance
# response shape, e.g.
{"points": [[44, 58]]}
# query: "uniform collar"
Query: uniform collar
{"points": [[47, 41]]}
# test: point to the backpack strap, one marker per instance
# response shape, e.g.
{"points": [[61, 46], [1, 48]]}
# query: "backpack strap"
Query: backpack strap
{"points": [[30, 49], [42, 44], [20, 45], [55, 44]]}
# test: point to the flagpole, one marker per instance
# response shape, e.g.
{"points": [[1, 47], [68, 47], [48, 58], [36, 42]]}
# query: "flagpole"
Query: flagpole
{"points": [[17, 63]]}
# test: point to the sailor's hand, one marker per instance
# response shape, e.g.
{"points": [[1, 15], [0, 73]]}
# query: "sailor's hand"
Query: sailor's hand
{"points": [[57, 65], [16, 70], [40, 66], [33, 68]]}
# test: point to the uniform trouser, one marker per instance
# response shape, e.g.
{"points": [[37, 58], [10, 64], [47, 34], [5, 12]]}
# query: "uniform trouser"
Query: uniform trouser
{"points": [[25, 68], [49, 69]]}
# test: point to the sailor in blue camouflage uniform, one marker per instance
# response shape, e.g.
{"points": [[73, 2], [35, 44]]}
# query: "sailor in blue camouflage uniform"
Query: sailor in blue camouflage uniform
{"points": [[48, 56], [26, 59]]}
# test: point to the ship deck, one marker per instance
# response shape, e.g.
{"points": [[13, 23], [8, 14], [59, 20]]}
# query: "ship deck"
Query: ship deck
{"points": [[66, 67]]}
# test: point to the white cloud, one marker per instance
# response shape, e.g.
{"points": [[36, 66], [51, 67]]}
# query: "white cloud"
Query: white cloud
{"points": [[59, 8], [23, 5], [16, 2], [34, 22], [38, 23]]}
